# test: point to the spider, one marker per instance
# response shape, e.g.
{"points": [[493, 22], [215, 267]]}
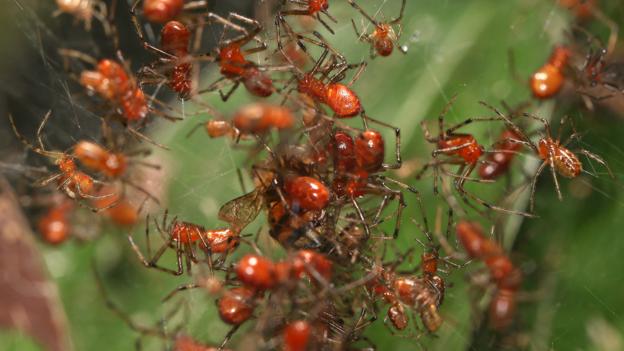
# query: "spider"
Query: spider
{"points": [[498, 163], [598, 67], [430, 259], [357, 165], [112, 163], [404, 292], [112, 81], [327, 89], [234, 67], [311, 8], [76, 184], [175, 61], [460, 149], [553, 152], [502, 272], [184, 237], [175, 39], [55, 225], [162, 11], [596, 70], [250, 119], [173, 66], [384, 38], [85, 11]]}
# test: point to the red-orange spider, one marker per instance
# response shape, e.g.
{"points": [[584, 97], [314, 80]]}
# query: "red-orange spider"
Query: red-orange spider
{"points": [[184, 238], [583, 9], [85, 11], [553, 152], [403, 292], [306, 193], [234, 67], [357, 165], [548, 80], [112, 82], [340, 98], [297, 335], [117, 207], [74, 183], [112, 164], [55, 225], [384, 38], [311, 8], [174, 65], [251, 119], [503, 273], [162, 11], [463, 150], [599, 68], [498, 162]]}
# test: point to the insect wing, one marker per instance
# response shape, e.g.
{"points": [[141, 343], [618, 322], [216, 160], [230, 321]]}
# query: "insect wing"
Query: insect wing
{"points": [[242, 210]]}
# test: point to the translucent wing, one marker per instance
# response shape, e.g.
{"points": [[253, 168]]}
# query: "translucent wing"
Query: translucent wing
{"points": [[242, 210]]}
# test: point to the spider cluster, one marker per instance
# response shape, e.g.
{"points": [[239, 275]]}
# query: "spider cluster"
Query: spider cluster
{"points": [[326, 263]]}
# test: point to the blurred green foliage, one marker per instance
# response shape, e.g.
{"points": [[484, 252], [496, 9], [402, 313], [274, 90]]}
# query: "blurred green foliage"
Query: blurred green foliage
{"points": [[10, 341], [570, 254]]}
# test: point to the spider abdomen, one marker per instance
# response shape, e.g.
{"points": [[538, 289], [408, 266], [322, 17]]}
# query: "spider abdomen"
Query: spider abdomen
{"points": [[565, 161], [567, 164], [464, 145]]}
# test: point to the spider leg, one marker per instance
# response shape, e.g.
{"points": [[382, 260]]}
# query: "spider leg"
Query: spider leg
{"points": [[511, 125], [597, 159], [613, 29], [179, 289], [459, 186], [329, 29], [40, 150], [45, 181], [245, 37], [148, 242], [187, 253], [256, 28], [551, 160], [218, 84], [360, 214], [397, 141], [226, 96], [228, 336], [366, 15], [380, 208], [141, 136], [179, 258], [562, 122], [450, 149], [152, 262], [361, 67], [427, 133], [392, 194], [534, 184], [279, 22], [447, 107], [40, 129], [359, 35], [400, 17], [468, 121], [119, 312]]}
